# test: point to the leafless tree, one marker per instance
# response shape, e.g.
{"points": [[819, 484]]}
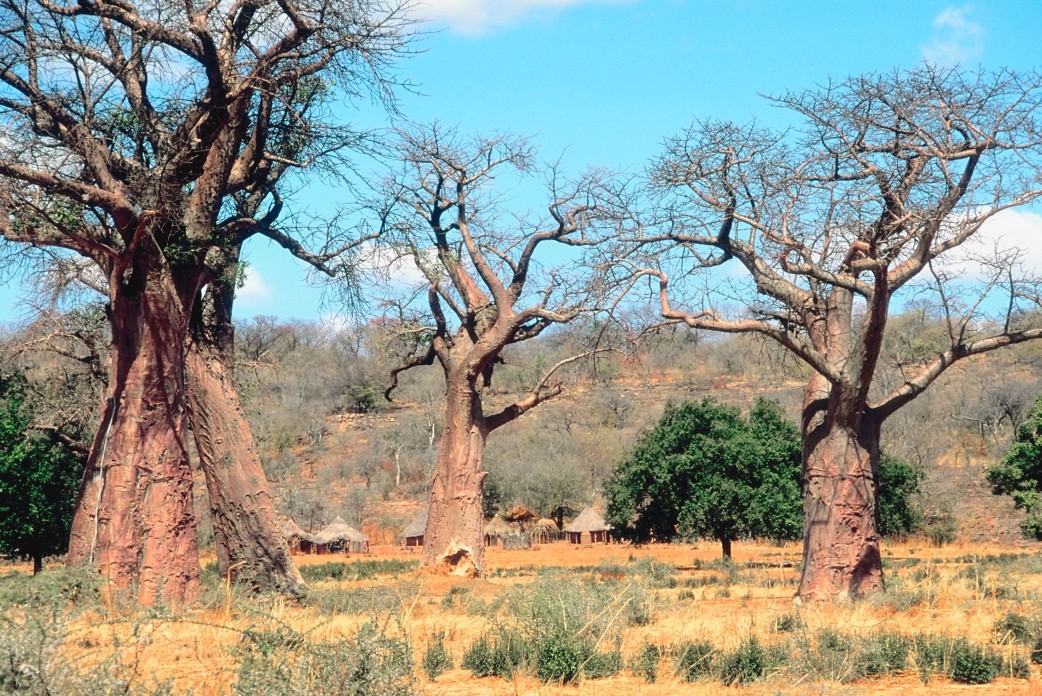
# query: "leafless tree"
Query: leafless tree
{"points": [[885, 177], [487, 284], [133, 134]]}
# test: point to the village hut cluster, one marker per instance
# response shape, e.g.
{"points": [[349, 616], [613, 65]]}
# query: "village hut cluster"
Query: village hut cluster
{"points": [[589, 527], [337, 537]]}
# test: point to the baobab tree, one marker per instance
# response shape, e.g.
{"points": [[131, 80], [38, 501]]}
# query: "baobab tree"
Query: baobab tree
{"points": [[130, 130], [489, 281], [828, 225]]}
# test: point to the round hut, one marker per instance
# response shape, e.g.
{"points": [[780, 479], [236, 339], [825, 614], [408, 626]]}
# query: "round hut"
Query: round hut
{"points": [[498, 529], [413, 533], [340, 536], [296, 538], [591, 523], [544, 531]]}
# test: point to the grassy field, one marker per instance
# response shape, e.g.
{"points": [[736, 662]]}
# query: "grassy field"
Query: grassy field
{"points": [[557, 619]]}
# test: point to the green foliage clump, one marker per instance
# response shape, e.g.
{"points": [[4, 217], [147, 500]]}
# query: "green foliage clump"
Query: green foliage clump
{"points": [[746, 664], [488, 657], [1019, 474], [645, 662], [885, 652], [1016, 628], [436, 660], [898, 508], [39, 480], [693, 660], [706, 472], [788, 623], [282, 661], [972, 664]]}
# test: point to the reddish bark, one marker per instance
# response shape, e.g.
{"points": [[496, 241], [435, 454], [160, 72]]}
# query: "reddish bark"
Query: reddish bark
{"points": [[250, 545], [134, 516], [841, 556], [453, 540]]}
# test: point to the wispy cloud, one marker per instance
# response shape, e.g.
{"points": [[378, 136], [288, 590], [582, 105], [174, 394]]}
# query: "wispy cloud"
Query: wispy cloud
{"points": [[957, 38], [477, 17]]}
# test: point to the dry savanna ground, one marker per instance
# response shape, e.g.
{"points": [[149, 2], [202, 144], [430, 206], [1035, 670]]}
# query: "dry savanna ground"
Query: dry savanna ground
{"points": [[667, 609]]}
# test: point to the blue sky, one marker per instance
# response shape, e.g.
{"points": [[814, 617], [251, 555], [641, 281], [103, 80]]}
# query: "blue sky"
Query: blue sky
{"points": [[603, 82]]}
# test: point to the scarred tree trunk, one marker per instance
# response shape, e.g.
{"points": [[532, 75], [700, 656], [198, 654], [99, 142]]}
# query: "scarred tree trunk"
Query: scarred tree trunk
{"points": [[841, 556], [134, 518], [453, 540], [250, 544]]}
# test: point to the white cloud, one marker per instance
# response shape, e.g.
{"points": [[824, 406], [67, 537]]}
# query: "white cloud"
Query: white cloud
{"points": [[254, 290], [477, 17], [956, 39], [1010, 231]]}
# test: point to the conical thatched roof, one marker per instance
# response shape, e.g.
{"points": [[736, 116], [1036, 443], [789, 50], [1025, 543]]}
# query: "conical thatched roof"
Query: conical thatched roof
{"points": [[417, 527], [291, 530], [589, 520], [544, 523], [498, 526], [338, 530]]}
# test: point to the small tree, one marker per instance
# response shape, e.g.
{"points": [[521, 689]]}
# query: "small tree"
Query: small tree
{"points": [[1019, 475], [39, 477], [704, 471]]}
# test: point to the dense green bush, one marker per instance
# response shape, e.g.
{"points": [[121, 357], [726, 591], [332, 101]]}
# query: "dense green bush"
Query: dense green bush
{"points": [[436, 660], [693, 660], [645, 663], [747, 663]]}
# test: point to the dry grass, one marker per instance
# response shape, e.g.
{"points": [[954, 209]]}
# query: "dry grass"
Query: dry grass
{"points": [[939, 591]]}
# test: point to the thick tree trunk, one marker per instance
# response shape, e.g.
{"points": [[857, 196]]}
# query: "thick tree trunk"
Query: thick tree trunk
{"points": [[453, 540], [134, 518], [249, 542], [37, 564], [725, 545], [841, 556]]}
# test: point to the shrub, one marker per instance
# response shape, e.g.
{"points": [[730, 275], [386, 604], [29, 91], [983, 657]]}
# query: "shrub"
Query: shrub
{"points": [[1016, 628], [885, 653], [499, 658], [603, 664], [560, 659], [693, 660], [972, 664], [788, 623], [745, 664], [437, 659], [284, 662], [645, 663]]}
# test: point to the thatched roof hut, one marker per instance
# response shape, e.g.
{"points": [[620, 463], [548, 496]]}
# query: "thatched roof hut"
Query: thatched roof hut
{"points": [[589, 522], [545, 530], [340, 535], [413, 533], [498, 529], [296, 538]]}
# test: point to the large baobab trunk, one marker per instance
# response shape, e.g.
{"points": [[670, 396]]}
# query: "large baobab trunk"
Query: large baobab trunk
{"points": [[453, 541], [840, 544], [134, 518], [250, 545]]}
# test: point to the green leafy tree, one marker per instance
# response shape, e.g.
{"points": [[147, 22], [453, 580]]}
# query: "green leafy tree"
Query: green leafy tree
{"points": [[1019, 474], [39, 478], [898, 506], [705, 471]]}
